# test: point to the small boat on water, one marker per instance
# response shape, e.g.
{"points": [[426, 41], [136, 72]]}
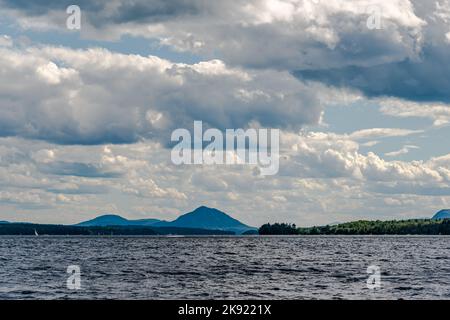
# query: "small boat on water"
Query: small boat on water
{"points": [[36, 233]]}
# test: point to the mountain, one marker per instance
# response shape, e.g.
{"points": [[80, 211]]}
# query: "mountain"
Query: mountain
{"points": [[207, 218], [115, 220], [443, 214], [201, 218]]}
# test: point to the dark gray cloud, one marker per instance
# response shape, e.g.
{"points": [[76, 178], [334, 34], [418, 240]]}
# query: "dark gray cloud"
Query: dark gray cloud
{"points": [[406, 58], [264, 34], [41, 7], [421, 76], [425, 80], [103, 13], [154, 11]]}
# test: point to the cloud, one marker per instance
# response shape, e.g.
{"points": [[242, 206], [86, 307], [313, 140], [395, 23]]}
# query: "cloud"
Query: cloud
{"points": [[327, 155], [95, 96], [376, 133], [402, 151], [101, 13], [420, 77], [439, 113], [302, 34], [423, 80], [76, 169], [327, 41]]}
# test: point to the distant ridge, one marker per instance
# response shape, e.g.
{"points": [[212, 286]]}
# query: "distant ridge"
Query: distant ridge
{"points": [[115, 220], [443, 214], [201, 218]]}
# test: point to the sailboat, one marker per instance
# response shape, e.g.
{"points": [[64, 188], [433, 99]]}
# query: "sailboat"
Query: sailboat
{"points": [[36, 233]]}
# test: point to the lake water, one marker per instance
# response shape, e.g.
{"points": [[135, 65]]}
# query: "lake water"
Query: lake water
{"points": [[412, 267]]}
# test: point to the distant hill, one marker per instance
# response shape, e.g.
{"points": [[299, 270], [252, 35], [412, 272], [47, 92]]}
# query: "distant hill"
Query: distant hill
{"points": [[443, 214], [207, 218], [201, 218], [115, 220], [4, 222]]}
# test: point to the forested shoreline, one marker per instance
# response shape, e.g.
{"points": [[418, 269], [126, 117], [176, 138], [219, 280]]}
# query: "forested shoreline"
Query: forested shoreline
{"points": [[51, 229], [364, 227]]}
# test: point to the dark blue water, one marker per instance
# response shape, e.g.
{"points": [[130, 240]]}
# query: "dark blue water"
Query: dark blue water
{"points": [[412, 267]]}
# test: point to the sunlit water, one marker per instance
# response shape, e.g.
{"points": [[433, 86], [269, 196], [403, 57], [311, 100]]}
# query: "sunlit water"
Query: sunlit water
{"points": [[412, 267]]}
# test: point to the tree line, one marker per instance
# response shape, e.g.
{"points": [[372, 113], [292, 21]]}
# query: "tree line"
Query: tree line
{"points": [[363, 227]]}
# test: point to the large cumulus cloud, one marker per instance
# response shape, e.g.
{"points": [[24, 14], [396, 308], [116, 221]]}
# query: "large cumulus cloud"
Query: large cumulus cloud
{"points": [[285, 34], [329, 155], [326, 41], [95, 96]]}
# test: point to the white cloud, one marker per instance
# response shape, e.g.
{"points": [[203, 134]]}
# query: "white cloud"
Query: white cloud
{"points": [[95, 96], [375, 133], [439, 113], [402, 151], [337, 156], [285, 34]]}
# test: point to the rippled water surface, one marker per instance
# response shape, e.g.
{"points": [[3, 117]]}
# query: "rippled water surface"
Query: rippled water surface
{"points": [[225, 267]]}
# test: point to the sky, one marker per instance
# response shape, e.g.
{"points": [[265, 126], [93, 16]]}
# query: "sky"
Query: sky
{"points": [[360, 91]]}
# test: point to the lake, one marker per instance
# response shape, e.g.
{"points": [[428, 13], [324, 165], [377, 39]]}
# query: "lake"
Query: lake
{"points": [[312, 267]]}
